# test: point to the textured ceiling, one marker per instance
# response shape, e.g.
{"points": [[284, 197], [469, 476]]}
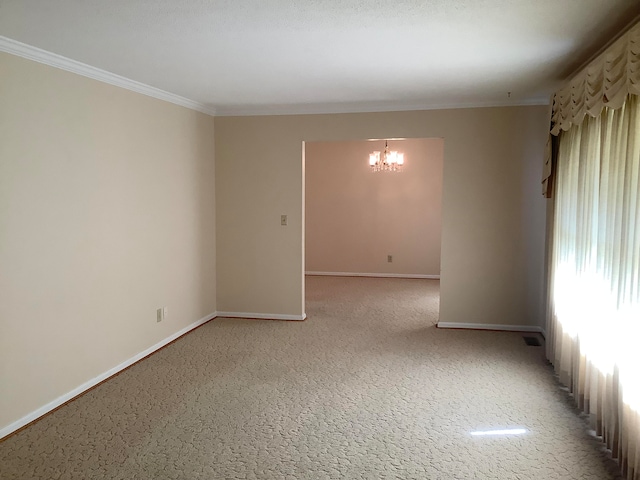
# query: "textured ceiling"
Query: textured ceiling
{"points": [[288, 56]]}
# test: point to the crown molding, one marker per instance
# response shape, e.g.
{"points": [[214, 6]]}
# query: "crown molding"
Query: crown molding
{"points": [[54, 60], [365, 107], [29, 52]]}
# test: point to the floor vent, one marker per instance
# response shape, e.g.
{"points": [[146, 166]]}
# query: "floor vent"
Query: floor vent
{"points": [[532, 341]]}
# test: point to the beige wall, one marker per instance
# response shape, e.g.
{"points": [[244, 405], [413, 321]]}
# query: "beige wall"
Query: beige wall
{"points": [[355, 218], [106, 214], [492, 212]]}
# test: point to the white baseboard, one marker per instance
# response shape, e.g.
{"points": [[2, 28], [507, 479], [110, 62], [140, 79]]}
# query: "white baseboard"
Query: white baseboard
{"points": [[262, 316], [12, 427], [489, 326], [377, 275]]}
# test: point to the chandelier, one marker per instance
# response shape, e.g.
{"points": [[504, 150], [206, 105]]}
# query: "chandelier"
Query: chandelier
{"points": [[387, 161]]}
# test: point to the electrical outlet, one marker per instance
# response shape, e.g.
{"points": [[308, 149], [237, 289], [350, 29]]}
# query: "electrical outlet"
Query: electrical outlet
{"points": [[165, 312], [283, 220], [389, 258], [159, 315]]}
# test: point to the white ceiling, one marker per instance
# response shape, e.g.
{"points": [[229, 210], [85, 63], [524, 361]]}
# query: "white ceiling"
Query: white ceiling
{"points": [[290, 56]]}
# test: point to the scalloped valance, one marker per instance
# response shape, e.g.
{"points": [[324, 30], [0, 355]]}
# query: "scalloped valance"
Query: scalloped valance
{"points": [[605, 82]]}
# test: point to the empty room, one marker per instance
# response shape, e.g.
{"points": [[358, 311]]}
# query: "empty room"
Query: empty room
{"points": [[319, 240], [373, 231]]}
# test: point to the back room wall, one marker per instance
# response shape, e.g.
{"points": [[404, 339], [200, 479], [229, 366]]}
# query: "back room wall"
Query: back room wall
{"points": [[355, 219]]}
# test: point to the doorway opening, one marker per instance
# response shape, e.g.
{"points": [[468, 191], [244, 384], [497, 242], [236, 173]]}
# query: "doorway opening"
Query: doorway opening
{"points": [[361, 223]]}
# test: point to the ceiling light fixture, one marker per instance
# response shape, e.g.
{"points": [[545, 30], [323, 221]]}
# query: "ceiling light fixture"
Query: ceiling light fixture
{"points": [[387, 161]]}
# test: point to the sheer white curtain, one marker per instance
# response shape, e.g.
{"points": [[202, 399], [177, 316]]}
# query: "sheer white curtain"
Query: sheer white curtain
{"points": [[594, 298]]}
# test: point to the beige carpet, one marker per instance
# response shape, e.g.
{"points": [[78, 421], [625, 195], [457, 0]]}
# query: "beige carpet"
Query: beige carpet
{"points": [[366, 388]]}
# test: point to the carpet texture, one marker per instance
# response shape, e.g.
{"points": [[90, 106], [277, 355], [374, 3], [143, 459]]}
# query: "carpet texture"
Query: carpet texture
{"points": [[366, 388]]}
